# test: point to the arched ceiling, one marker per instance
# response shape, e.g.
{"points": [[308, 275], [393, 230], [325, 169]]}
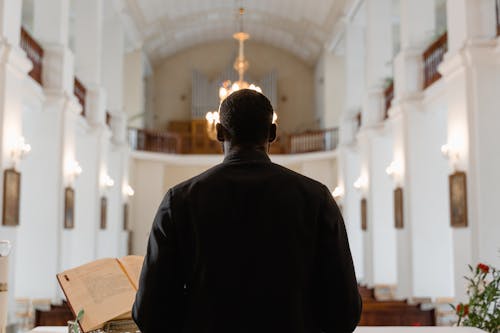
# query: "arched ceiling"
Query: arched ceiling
{"points": [[301, 27]]}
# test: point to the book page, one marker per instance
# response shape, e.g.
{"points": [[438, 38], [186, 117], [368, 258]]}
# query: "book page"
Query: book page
{"points": [[101, 289], [132, 265]]}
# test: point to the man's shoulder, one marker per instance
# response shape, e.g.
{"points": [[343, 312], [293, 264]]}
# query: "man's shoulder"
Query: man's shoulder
{"points": [[300, 178], [280, 174], [200, 178]]}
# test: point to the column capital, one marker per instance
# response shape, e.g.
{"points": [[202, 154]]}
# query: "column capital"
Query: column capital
{"points": [[58, 63], [374, 106], [408, 72], [15, 57]]}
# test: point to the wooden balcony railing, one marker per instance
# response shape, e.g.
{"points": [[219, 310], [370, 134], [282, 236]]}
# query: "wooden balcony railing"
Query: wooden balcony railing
{"points": [[80, 92], [359, 118], [34, 52], [158, 141], [313, 141], [108, 119], [432, 58], [182, 143], [497, 8], [388, 96]]}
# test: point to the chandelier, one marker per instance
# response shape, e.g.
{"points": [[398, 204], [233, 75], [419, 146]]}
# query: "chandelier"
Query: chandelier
{"points": [[241, 65]]}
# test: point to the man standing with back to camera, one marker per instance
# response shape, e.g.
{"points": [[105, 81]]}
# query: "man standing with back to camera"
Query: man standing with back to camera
{"points": [[247, 246]]}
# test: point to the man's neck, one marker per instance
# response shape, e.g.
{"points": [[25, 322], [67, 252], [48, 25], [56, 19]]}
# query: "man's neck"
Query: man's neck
{"points": [[231, 149]]}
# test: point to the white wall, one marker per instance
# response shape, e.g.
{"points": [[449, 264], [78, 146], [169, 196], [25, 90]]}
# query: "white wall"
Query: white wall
{"points": [[173, 79]]}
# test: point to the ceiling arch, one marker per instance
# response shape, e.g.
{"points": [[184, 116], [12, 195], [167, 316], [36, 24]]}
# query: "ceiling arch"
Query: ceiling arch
{"points": [[169, 26]]}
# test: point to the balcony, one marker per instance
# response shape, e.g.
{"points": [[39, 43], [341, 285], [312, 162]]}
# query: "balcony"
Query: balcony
{"points": [[497, 10], [183, 143], [312, 141], [388, 97], [108, 119], [34, 52], [432, 58], [81, 93]]}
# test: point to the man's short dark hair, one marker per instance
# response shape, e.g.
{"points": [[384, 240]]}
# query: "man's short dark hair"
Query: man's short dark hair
{"points": [[247, 115]]}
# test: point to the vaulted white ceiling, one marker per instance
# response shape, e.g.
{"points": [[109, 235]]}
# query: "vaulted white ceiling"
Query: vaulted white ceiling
{"points": [[302, 27]]}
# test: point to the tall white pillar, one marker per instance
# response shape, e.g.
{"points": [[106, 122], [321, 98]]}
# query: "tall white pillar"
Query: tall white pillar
{"points": [[14, 67], [114, 154], [349, 159], [133, 87], [57, 130], [425, 231], [348, 171], [88, 56], [378, 57], [374, 143], [471, 72], [330, 88], [94, 141]]}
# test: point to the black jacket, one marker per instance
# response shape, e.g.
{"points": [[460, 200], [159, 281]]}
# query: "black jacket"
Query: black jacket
{"points": [[248, 246]]}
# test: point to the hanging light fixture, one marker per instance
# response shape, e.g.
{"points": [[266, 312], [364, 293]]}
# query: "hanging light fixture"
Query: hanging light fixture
{"points": [[241, 65]]}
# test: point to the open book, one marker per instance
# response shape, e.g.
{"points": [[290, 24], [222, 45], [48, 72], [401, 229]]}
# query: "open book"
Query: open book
{"points": [[105, 289]]}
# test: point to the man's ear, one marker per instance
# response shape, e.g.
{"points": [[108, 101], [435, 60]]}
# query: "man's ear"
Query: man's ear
{"points": [[221, 132], [272, 133]]}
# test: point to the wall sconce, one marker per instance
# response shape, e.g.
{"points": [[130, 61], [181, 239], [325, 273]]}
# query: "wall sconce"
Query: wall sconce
{"points": [[394, 170], [338, 193], [108, 182], [450, 152], [128, 190], [360, 183], [20, 150], [74, 170]]}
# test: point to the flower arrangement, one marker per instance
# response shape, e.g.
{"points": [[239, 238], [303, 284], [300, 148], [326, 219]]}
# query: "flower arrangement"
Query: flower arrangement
{"points": [[483, 309]]}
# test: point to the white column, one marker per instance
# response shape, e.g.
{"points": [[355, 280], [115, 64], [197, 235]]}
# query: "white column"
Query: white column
{"points": [[379, 238], [425, 231], [349, 159], [355, 67], [14, 67], [133, 85], [375, 146], [114, 154], [88, 56], [56, 130], [330, 88], [348, 172], [378, 57], [92, 144], [471, 73]]}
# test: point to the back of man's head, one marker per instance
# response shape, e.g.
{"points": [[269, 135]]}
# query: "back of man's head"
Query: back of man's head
{"points": [[247, 115]]}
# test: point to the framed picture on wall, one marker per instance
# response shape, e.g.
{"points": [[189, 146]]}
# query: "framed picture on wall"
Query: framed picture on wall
{"points": [[69, 208], [458, 199], [398, 208], [104, 212], [363, 215], [11, 197], [125, 216]]}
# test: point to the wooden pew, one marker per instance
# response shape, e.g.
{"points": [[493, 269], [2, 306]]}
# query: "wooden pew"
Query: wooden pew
{"points": [[393, 313], [58, 315]]}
